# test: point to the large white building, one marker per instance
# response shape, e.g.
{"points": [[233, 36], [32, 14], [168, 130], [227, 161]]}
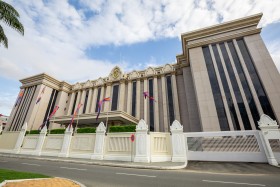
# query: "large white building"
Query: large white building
{"points": [[224, 80]]}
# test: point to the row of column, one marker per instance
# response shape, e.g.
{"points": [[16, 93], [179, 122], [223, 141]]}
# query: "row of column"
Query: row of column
{"points": [[106, 91]]}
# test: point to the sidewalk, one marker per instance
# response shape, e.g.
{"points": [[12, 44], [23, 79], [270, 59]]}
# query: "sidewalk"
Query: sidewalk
{"points": [[151, 165]]}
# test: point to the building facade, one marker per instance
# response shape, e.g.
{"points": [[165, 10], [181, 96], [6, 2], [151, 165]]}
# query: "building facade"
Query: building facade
{"points": [[224, 80]]}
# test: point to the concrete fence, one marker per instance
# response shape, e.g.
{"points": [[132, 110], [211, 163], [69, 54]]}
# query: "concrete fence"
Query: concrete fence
{"points": [[176, 146]]}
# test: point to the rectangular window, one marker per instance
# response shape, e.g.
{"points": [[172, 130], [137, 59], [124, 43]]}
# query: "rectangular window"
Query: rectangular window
{"points": [[97, 99], [115, 98], [151, 104], [50, 106], [170, 99], [215, 90], [86, 100], [134, 99]]}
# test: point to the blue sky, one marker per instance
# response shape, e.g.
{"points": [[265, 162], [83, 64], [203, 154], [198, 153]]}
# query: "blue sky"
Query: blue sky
{"points": [[83, 40]]}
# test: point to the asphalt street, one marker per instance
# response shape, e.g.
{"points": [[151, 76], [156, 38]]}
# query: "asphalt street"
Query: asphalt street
{"points": [[92, 175]]}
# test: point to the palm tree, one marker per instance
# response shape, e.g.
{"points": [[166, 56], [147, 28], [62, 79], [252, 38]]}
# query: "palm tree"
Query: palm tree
{"points": [[10, 16]]}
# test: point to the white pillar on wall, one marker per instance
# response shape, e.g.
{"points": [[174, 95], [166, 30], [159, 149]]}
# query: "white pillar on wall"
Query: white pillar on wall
{"points": [[108, 94], [164, 104], [269, 130], [121, 96], [89, 100], [146, 100], [94, 98], [178, 143], [99, 142], [142, 153], [175, 97], [71, 103], [129, 98], [20, 138], [156, 109], [41, 141], [138, 98], [66, 142]]}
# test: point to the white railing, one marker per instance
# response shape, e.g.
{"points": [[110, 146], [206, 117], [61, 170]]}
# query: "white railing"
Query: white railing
{"points": [[160, 147]]}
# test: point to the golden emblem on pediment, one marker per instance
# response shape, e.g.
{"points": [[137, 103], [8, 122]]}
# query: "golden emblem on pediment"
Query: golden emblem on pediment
{"points": [[116, 73]]}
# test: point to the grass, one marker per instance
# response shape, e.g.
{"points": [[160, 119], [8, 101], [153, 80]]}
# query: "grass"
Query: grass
{"points": [[11, 175]]}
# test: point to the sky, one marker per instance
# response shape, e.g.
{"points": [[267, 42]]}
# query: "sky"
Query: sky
{"points": [[80, 40]]}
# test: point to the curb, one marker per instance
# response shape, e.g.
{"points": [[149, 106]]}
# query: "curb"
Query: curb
{"points": [[102, 164], [20, 180]]}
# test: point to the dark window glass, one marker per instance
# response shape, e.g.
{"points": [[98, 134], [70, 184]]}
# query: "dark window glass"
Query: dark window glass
{"points": [[237, 93], [115, 97], [226, 89], [98, 99], [50, 106], [151, 104], [255, 79], [74, 103], [134, 99], [244, 83], [215, 90], [86, 100], [170, 99]]}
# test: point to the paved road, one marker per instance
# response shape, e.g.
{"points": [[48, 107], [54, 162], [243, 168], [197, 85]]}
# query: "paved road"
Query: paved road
{"points": [[92, 175]]}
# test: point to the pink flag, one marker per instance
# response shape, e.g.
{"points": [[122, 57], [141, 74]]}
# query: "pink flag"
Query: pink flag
{"points": [[40, 96], [75, 113], [100, 105], [51, 115], [146, 94]]}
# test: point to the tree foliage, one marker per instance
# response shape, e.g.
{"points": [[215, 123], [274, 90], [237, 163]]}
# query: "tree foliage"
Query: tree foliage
{"points": [[10, 17]]}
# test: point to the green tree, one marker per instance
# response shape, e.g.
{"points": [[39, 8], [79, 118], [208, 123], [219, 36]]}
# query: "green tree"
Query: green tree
{"points": [[9, 16]]}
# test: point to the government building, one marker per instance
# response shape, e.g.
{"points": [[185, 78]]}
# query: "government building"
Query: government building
{"points": [[224, 80]]}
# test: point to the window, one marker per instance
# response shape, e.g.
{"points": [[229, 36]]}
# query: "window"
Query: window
{"points": [[86, 100], [74, 103], [115, 98], [170, 99], [151, 104], [134, 99], [97, 99]]}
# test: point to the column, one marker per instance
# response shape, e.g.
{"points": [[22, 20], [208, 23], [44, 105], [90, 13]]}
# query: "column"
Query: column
{"points": [[121, 95], [129, 98], [89, 102], [41, 141], [146, 100], [142, 152], [138, 98], [108, 94], [93, 101], [178, 143], [156, 109], [71, 103], [175, 97], [20, 138], [82, 101], [66, 142], [78, 100], [164, 104], [99, 142]]}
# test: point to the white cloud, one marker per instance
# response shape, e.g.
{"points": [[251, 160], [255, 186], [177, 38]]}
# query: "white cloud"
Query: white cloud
{"points": [[57, 33]]}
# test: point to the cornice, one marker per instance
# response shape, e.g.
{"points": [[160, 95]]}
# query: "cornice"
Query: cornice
{"points": [[217, 33]]}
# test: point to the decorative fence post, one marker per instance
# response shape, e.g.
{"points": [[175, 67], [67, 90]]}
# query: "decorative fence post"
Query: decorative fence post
{"points": [[142, 143], [99, 142], [178, 143], [269, 130], [20, 138], [66, 142], [41, 141]]}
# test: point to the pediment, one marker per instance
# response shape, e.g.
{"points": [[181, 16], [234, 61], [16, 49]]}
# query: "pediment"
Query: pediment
{"points": [[150, 71], [167, 68], [77, 86], [115, 74], [99, 82], [134, 75], [88, 84]]}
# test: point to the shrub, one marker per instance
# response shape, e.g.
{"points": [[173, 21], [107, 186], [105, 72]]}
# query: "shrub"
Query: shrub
{"points": [[86, 130], [33, 132], [57, 131], [126, 128]]}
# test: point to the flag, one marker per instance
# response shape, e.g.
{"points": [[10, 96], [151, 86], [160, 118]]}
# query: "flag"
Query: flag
{"points": [[50, 116], [40, 96], [1, 115], [146, 95], [75, 113], [100, 105], [20, 95]]}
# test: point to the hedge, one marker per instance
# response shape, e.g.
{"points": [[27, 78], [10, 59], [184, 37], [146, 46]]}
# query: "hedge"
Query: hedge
{"points": [[86, 130], [33, 132], [57, 131], [126, 128]]}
